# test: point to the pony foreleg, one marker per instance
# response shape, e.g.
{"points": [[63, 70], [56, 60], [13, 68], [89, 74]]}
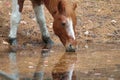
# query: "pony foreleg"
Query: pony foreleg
{"points": [[39, 12], [14, 21]]}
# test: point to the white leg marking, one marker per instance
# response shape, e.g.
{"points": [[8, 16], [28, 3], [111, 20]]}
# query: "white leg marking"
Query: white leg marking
{"points": [[15, 19], [70, 29], [39, 11]]}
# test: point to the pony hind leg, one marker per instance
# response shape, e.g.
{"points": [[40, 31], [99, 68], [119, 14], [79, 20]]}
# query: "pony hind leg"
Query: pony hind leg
{"points": [[17, 6], [39, 12]]}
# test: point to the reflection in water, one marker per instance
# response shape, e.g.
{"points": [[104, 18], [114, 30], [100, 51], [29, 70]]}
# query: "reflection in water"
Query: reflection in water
{"points": [[91, 64], [13, 67], [64, 69], [39, 73]]}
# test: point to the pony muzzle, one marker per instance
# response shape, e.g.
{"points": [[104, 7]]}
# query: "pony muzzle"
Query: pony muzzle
{"points": [[70, 48]]}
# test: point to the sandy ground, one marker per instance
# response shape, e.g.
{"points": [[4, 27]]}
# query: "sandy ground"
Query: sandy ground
{"points": [[100, 19]]}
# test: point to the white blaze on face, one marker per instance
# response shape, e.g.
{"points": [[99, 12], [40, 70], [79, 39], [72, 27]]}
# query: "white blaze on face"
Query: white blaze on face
{"points": [[70, 29]]}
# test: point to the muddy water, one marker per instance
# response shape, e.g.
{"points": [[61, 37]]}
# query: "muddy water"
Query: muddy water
{"points": [[92, 62]]}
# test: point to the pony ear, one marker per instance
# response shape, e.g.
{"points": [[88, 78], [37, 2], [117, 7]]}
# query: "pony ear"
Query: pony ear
{"points": [[74, 6], [61, 7]]}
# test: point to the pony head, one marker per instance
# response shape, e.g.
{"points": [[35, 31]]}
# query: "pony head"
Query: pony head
{"points": [[64, 24]]}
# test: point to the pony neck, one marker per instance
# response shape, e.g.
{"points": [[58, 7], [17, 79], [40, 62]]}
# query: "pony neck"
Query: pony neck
{"points": [[51, 5]]}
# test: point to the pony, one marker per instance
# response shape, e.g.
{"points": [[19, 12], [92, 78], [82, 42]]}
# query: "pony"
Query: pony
{"points": [[63, 13]]}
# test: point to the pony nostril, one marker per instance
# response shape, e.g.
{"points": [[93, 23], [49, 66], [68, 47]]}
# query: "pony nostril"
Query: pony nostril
{"points": [[70, 45], [63, 24], [70, 48]]}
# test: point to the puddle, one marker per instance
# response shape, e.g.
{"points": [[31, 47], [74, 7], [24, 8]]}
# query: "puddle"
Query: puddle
{"points": [[97, 21], [96, 62]]}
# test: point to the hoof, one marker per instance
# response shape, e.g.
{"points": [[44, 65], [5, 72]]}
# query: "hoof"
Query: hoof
{"points": [[48, 45], [48, 42], [13, 44], [13, 41]]}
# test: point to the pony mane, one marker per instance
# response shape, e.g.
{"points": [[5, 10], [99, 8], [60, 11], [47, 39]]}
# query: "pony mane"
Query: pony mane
{"points": [[52, 4]]}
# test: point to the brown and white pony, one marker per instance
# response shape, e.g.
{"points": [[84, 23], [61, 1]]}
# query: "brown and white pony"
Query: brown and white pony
{"points": [[63, 12]]}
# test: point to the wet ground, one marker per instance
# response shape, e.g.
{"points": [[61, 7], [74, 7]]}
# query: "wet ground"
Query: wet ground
{"points": [[96, 62], [97, 34]]}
